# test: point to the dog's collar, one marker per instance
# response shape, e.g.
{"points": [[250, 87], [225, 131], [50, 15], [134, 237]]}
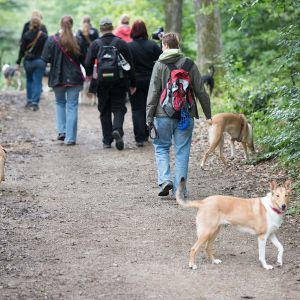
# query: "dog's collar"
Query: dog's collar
{"points": [[276, 210]]}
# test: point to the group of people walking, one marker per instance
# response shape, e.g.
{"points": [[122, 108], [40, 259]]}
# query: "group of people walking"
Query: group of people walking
{"points": [[144, 79]]}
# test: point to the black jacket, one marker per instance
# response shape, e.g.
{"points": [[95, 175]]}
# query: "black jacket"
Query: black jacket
{"points": [[122, 47], [26, 28], [93, 35], [145, 53], [62, 70], [37, 50]]}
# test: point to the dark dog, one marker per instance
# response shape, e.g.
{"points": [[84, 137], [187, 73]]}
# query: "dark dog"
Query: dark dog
{"points": [[12, 76], [209, 79]]}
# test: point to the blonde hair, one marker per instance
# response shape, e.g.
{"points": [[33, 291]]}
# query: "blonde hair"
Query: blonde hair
{"points": [[36, 14], [86, 19], [86, 26], [35, 24], [85, 29], [125, 19], [68, 41]]}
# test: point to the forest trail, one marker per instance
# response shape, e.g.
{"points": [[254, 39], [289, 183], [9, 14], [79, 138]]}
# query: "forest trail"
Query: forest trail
{"points": [[85, 222]]}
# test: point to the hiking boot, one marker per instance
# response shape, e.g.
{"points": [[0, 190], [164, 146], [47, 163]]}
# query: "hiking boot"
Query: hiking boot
{"points": [[70, 143], [27, 105], [140, 144], [119, 140], [34, 107], [165, 188], [106, 146], [61, 137]]}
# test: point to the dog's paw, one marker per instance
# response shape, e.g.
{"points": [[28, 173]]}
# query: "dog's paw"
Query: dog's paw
{"points": [[279, 263], [268, 267], [216, 261], [193, 266]]}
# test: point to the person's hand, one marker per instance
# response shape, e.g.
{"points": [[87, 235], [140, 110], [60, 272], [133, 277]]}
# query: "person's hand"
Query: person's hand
{"points": [[132, 90], [152, 129], [150, 124], [17, 67]]}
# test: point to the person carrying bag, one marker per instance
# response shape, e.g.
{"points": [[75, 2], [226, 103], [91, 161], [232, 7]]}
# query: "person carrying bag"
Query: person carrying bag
{"points": [[63, 52]]}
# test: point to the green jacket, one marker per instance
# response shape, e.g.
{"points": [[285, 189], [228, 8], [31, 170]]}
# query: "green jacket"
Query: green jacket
{"points": [[159, 79]]}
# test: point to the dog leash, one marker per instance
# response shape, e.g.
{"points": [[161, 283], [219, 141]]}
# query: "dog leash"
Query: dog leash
{"points": [[152, 128], [30, 46]]}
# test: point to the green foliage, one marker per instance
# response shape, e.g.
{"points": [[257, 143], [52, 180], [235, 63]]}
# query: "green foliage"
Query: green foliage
{"points": [[9, 37], [262, 62]]}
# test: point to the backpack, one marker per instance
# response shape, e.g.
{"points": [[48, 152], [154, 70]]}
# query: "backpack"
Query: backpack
{"points": [[176, 98], [109, 69]]}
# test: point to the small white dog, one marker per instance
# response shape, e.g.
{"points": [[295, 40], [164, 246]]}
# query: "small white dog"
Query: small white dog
{"points": [[12, 76]]}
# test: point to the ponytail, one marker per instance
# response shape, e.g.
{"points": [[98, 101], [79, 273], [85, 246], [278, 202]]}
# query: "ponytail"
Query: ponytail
{"points": [[67, 39]]}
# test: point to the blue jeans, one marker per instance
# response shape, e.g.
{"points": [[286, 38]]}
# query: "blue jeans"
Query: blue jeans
{"points": [[66, 100], [167, 132], [35, 70]]}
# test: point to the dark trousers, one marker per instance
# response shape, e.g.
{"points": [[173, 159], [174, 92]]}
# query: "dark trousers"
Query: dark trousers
{"points": [[138, 106], [111, 101]]}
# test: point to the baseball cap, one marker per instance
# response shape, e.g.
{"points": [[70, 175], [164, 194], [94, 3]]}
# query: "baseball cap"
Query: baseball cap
{"points": [[105, 21]]}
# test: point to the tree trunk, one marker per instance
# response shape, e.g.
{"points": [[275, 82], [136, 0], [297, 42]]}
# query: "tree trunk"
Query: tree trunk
{"points": [[173, 13], [208, 28]]}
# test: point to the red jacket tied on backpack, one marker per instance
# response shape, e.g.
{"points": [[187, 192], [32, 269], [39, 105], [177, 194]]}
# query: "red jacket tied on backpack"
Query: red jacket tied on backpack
{"points": [[177, 95]]}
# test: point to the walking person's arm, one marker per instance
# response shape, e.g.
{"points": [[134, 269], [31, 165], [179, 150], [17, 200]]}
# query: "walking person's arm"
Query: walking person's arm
{"points": [[90, 58], [22, 50], [47, 52], [154, 92], [200, 92]]}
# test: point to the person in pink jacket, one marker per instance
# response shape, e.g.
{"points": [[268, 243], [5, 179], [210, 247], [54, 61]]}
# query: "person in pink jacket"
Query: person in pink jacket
{"points": [[123, 30]]}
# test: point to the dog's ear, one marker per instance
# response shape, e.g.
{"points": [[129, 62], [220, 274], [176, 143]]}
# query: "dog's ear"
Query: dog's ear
{"points": [[273, 185], [288, 186]]}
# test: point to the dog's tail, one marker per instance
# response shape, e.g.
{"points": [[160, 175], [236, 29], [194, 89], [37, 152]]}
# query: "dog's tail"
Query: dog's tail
{"points": [[2, 161], [180, 198]]}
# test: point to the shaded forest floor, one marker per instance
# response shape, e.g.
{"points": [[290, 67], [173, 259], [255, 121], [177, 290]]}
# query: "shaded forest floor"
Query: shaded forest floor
{"points": [[85, 222]]}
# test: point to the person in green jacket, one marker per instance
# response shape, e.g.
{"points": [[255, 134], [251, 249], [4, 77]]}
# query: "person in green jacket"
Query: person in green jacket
{"points": [[168, 129]]}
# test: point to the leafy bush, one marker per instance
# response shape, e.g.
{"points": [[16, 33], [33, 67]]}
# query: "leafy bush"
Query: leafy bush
{"points": [[262, 62]]}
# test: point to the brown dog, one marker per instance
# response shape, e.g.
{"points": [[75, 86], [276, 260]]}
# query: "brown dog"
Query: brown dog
{"points": [[259, 216], [2, 163], [236, 126]]}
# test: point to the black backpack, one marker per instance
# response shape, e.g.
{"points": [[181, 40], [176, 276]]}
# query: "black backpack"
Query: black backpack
{"points": [[109, 69]]}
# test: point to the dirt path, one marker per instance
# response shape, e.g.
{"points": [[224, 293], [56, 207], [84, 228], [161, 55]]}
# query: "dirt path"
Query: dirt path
{"points": [[84, 222]]}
